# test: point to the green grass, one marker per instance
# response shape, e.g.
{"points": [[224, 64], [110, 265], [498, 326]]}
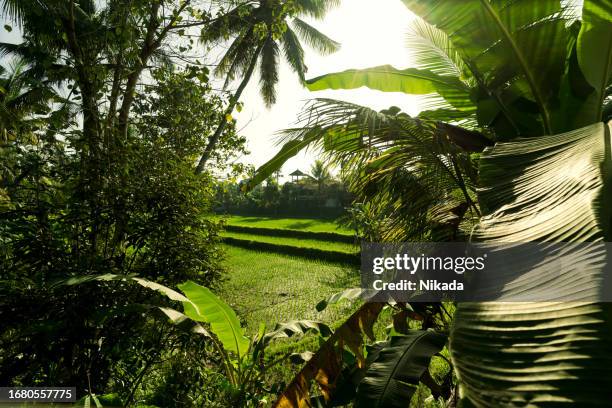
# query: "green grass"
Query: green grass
{"points": [[296, 242], [272, 288], [302, 224]]}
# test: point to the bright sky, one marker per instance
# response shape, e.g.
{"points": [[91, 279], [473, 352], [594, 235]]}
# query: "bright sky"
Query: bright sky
{"points": [[370, 36]]}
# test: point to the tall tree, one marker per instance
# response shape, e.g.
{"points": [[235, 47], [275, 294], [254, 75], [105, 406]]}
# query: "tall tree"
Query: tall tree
{"points": [[260, 32], [320, 173]]}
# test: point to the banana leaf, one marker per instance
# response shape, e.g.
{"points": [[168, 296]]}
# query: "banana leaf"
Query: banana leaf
{"points": [[205, 306], [389, 79], [394, 373], [548, 189]]}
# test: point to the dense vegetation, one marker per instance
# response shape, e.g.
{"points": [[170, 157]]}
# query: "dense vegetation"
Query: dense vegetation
{"points": [[105, 110], [113, 275]]}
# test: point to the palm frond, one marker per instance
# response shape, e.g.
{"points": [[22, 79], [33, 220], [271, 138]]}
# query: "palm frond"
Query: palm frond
{"points": [[237, 57], [268, 71], [15, 9], [316, 8], [314, 38], [9, 48], [404, 167], [431, 49], [294, 53], [31, 99], [23, 98]]}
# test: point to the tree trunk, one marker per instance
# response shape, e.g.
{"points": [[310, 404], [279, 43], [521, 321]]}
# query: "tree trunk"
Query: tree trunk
{"points": [[232, 104], [148, 48]]}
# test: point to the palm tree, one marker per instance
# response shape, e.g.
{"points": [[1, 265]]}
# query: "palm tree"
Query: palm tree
{"points": [[21, 98], [260, 33], [320, 173]]}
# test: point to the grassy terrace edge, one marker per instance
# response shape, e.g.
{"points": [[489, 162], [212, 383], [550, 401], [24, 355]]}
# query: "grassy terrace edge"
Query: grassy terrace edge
{"points": [[322, 254], [281, 232], [300, 224]]}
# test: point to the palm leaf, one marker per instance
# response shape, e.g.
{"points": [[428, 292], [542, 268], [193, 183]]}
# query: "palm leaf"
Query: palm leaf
{"points": [[237, 57], [431, 49], [294, 53], [551, 189], [393, 375], [389, 79], [314, 38], [399, 165], [268, 71], [316, 8], [518, 43]]}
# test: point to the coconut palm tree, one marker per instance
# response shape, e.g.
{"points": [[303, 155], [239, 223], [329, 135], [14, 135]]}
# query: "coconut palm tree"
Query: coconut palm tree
{"points": [[21, 98], [320, 173], [260, 32]]}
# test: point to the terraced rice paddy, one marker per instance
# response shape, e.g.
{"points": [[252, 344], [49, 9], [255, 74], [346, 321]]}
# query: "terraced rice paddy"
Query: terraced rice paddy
{"points": [[285, 280], [271, 288], [298, 224]]}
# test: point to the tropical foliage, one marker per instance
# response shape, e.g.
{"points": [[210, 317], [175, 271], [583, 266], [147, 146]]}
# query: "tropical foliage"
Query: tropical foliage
{"points": [[104, 112], [242, 358], [97, 177], [112, 136], [514, 145]]}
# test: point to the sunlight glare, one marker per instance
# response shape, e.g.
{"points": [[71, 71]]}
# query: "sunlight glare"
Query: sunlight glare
{"points": [[371, 34]]}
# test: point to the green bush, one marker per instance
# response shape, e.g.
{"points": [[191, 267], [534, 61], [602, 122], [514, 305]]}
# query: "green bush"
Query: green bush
{"points": [[147, 215]]}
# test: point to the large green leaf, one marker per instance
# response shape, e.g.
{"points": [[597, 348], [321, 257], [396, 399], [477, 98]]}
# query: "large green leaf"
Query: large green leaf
{"points": [[547, 189], [393, 375], [515, 47], [205, 306], [296, 328], [389, 79], [200, 304], [594, 49], [325, 366]]}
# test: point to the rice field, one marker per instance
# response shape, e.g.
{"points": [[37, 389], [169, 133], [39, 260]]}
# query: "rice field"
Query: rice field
{"points": [[296, 242], [272, 288], [301, 224]]}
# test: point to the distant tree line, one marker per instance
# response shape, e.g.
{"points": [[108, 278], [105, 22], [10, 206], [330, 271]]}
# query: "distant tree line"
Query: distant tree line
{"points": [[317, 194]]}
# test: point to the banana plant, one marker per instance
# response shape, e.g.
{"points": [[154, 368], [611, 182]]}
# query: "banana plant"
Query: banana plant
{"points": [[205, 314], [385, 374], [535, 79], [347, 369]]}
